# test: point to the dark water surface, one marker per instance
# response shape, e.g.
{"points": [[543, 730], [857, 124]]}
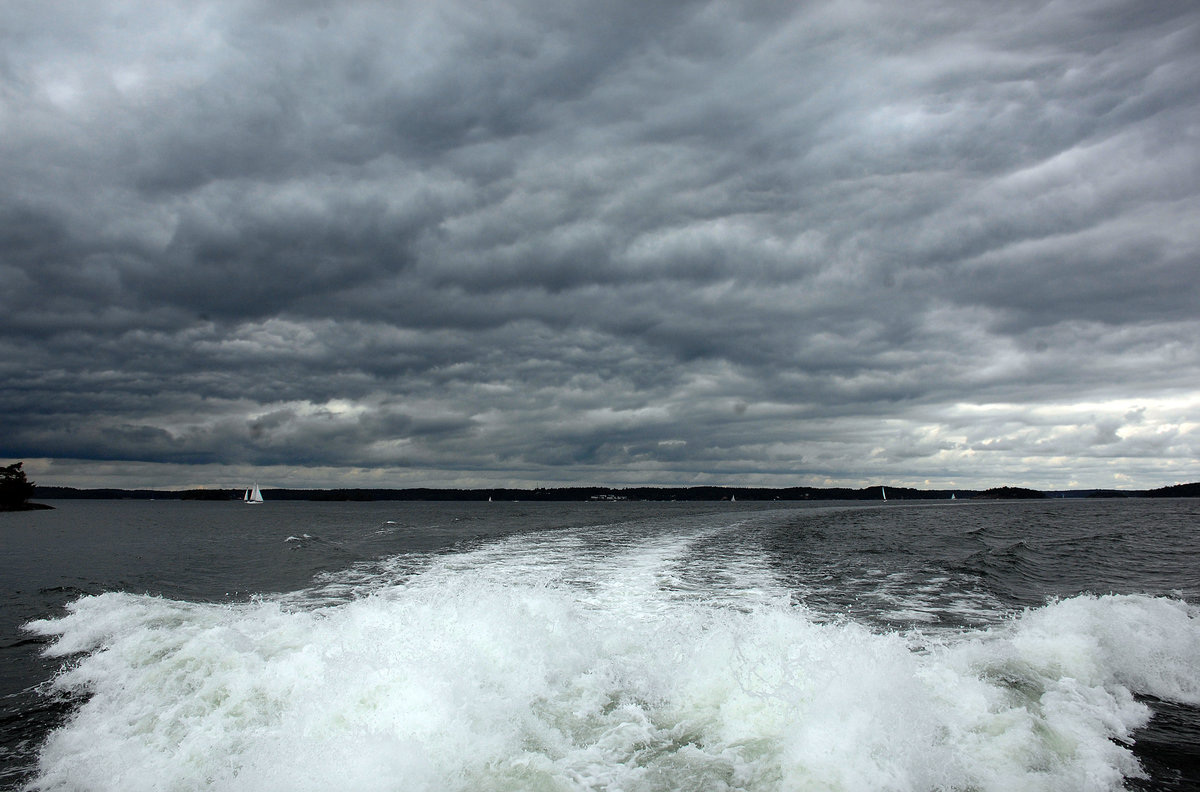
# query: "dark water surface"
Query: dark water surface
{"points": [[707, 646]]}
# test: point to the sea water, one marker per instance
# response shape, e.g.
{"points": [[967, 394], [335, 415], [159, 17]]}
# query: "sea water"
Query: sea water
{"points": [[603, 646]]}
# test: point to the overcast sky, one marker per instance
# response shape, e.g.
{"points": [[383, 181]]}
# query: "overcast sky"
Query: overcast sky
{"points": [[549, 242]]}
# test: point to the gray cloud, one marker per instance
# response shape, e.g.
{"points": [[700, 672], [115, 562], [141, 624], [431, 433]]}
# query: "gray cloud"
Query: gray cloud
{"points": [[453, 244]]}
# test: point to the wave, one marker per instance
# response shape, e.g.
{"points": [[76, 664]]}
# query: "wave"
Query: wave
{"points": [[564, 663]]}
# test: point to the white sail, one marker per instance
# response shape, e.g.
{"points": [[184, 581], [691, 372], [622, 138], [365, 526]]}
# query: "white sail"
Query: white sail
{"points": [[883, 492], [253, 495]]}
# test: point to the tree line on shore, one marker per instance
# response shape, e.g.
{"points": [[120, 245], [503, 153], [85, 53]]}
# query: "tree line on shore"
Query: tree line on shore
{"points": [[703, 493], [16, 491]]}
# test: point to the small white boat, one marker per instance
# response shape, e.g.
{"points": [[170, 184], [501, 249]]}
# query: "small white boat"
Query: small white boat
{"points": [[253, 495], [883, 492]]}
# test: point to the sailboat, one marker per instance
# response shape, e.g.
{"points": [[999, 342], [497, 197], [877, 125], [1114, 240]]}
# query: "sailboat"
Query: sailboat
{"points": [[883, 492], [253, 495]]}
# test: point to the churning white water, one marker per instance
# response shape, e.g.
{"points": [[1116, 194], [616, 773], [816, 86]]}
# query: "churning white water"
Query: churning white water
{"points": [[611, 661]]}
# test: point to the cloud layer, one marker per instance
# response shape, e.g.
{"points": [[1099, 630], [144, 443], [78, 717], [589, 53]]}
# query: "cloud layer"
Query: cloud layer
{"points": [[459, 244]]}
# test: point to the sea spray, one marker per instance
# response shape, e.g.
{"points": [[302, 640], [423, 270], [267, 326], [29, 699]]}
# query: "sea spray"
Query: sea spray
{"points": [[503, 670]]}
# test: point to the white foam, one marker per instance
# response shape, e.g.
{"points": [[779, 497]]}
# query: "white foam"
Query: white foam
{"points": [[541, 664]]}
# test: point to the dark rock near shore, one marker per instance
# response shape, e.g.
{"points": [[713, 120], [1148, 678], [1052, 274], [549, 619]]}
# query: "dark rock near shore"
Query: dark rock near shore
{"points": [[25, 507]]}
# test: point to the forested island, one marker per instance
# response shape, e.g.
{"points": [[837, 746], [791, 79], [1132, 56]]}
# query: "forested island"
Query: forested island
{"points": [[16, 489], [707, 493]]}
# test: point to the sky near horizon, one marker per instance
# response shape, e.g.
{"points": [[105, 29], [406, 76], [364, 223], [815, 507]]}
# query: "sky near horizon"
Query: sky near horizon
{"points": [[545, 243]]}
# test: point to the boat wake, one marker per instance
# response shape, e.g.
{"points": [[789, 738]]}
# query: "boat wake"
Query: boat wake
{"points": [[606, 659]]}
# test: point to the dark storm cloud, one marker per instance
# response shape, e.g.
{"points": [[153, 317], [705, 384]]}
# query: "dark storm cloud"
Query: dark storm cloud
{"points": [[544, 242]]}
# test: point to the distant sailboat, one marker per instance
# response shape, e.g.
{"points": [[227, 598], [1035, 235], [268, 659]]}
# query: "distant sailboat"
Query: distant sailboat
{"points": [[883, 492], [253, 495]]}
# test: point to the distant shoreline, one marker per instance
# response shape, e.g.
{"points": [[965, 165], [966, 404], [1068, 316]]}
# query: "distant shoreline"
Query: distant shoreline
{"points": [[561, 494]]}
